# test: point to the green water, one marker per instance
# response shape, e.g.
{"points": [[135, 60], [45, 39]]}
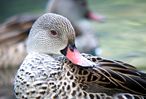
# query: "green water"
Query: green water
{"points": [[123, 35], [12, 7]]}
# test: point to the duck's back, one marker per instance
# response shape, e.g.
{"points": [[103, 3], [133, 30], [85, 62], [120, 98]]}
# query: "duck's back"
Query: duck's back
{"points": [[109, 77]]}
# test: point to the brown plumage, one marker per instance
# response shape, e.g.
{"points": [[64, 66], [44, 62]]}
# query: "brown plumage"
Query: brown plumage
{"points": [[12, 39]]}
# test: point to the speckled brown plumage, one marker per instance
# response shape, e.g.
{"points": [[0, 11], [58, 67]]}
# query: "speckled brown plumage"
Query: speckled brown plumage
{"points": [[66, 80]]}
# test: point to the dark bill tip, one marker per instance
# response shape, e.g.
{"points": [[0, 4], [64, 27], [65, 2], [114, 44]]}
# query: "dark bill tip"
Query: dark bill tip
{"points": [[71, 47]]}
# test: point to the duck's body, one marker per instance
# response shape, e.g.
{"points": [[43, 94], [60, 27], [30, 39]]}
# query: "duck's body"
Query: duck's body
{"points": [[12, 56], [42, 76], [13, 34]]}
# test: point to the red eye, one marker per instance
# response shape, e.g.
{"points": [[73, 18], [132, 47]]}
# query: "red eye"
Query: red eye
{"points": [[53, 32]]}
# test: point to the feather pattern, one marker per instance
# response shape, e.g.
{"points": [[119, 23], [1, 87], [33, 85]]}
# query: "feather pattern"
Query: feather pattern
{"points": [[113, 75]]}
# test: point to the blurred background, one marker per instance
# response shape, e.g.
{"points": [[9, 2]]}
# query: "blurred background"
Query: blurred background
{"points": [[121, 36]]}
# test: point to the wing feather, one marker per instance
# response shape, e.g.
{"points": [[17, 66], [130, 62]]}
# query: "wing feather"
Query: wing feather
{"points": [[114, 75]]}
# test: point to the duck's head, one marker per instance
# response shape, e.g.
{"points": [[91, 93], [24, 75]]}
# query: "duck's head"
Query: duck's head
{"points": [[54, 34]]}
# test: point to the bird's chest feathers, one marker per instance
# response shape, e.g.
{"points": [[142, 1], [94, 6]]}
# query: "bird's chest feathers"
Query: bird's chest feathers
{"points": [[40, 67]]}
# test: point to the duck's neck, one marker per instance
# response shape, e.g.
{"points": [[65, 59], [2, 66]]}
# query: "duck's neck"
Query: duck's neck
{"points": [[44, 54]]}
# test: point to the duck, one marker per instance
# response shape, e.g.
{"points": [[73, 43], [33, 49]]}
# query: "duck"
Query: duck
{"points": [[13, 34], [55, 69]]}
